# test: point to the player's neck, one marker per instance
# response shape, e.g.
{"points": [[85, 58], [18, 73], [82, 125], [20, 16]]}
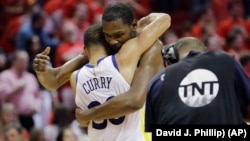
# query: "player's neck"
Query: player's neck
{"points": [[94, 57]]}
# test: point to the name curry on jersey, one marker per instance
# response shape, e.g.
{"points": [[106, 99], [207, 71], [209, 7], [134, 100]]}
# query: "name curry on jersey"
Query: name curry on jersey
{"points": [[96, 83]]}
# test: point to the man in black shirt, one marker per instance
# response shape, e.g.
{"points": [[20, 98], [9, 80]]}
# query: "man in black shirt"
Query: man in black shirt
{"points": [[201, 88]]}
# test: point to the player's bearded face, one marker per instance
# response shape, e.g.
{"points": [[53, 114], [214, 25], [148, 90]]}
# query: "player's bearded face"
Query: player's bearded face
{"points": [[117, 33]]}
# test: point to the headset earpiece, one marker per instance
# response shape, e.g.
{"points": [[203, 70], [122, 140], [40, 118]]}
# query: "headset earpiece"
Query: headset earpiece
{"points": [[170, 54]]}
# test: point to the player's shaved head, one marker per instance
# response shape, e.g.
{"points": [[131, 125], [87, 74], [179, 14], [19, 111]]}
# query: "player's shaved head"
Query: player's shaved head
{"points": [[186, 44]]}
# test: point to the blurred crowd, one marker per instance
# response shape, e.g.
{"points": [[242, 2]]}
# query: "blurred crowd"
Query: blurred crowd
{"points": [[31, 113]]}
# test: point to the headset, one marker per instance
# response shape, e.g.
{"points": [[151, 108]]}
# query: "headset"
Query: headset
{"points": [[170, 53]]}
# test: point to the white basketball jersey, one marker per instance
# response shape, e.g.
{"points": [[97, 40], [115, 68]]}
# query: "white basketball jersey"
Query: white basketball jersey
{"points": [[96, 85]]}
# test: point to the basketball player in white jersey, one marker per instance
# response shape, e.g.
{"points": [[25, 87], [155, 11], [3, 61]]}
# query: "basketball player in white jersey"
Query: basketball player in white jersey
{"points": [[108, 76]]}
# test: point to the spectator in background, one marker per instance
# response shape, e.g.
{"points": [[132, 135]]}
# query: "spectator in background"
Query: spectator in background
{"points": [[214, 43], [60, 120], [54, 11], [21, 88], [13, 132], [197, 6], [186, 29], [235, 43], [66, 134], [140, 7], [96, 8], [69, 8], [207, 18], [220, 7], [80, 20], [9, 116], [35, 28], [245, 62], [11, 9], [32, 47], [68, 49], [36, 135], [8, 37], [207, 31], [245, 35], [211, 39], [235, 18], [3, 61]]}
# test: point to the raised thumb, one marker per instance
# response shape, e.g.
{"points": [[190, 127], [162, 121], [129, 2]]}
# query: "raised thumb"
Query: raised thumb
{"points": [[46, 51]]}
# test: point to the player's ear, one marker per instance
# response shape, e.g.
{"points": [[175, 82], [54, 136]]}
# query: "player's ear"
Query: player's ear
{"points": [[86, 52], [83, 51], [134, 24]]}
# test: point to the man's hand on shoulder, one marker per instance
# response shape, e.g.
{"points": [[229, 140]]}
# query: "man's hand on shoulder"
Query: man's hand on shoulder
{"points": [[41, 61]]}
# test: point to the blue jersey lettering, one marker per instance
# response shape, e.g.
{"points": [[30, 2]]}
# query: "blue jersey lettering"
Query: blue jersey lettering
{"points": [[96, 83]]}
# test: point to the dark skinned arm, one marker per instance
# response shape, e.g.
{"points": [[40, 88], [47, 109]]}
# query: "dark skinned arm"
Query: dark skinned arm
{"points": [[53, 78], [132, 100]]}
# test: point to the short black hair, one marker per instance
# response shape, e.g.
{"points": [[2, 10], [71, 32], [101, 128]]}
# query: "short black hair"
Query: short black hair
{"points": [[36, 16], [94, 35], [118, 10]]}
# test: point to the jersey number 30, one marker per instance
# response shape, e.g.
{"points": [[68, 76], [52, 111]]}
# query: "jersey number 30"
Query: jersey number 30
{"points": [[103, 125]]}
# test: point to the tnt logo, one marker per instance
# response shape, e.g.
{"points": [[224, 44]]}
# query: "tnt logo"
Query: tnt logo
{"points": [[199, 88]]}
